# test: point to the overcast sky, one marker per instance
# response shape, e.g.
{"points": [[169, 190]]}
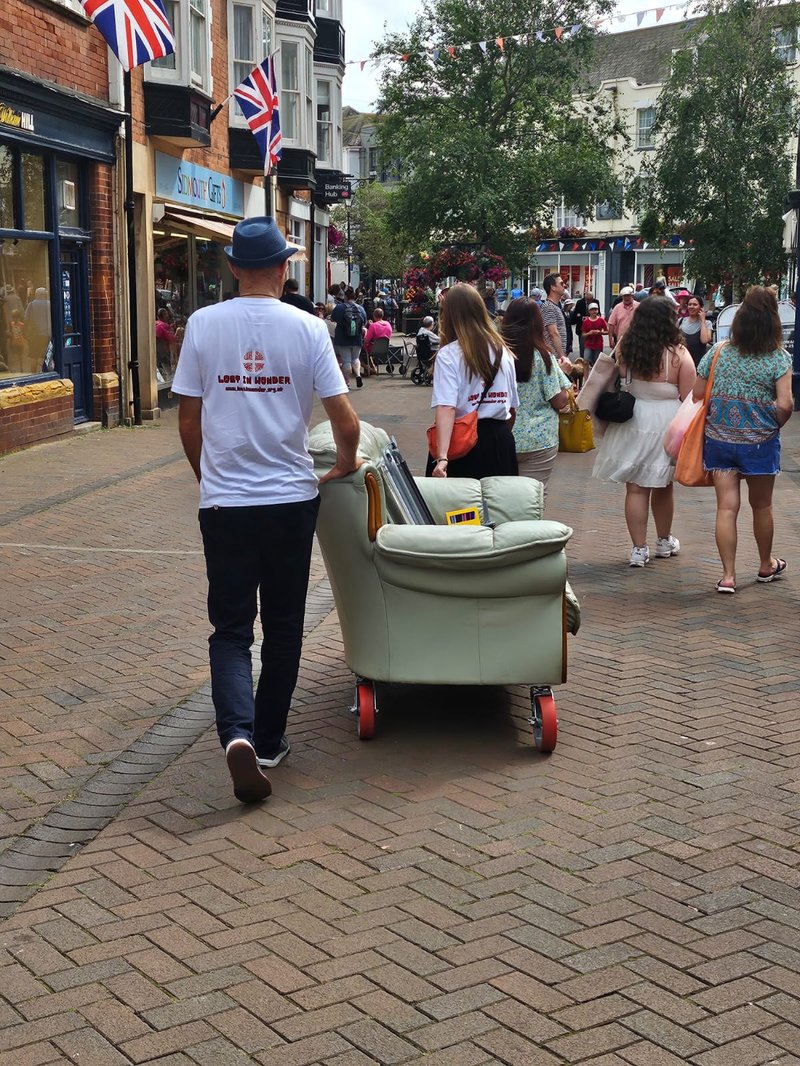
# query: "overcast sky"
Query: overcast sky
{"points": [[364, 27]]}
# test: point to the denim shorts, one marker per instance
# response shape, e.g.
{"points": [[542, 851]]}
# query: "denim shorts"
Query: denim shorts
{"points": [[747, 459]]}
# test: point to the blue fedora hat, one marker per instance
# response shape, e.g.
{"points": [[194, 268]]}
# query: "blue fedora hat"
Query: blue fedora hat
{"points": [[259, 243]]}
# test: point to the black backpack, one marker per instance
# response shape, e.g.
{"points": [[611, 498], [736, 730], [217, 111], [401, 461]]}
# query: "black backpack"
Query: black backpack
{"points": [[351, 323]]}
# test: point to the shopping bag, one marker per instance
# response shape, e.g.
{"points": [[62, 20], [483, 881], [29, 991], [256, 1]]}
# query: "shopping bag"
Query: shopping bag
{"points": [[676, 430], [689, 468], [463, 438], [575, 429]]}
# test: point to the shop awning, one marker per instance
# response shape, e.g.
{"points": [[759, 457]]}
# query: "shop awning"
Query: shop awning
{"points": [[201, 226]]}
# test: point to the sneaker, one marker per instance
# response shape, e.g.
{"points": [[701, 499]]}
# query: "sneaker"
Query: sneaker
{"points": [[283, 750], [249, 784], [667, 546], [640, 556], [359, 382]]}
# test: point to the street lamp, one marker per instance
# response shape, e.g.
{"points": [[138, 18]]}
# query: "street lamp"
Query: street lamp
{"points": [[355, 183]]}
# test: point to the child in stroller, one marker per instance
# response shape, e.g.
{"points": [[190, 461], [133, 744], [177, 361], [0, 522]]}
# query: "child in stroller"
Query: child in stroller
{"points": [[427, 342]]}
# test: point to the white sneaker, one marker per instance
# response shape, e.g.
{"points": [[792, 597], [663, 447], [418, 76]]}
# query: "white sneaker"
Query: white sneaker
{"points": [[666, 546], [640, 556]]}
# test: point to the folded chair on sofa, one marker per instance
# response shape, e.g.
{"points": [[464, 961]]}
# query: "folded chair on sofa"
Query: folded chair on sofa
{"points": [[444, 605]]}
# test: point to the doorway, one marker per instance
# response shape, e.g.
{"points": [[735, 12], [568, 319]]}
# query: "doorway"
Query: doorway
{"points": [[75, 354]]}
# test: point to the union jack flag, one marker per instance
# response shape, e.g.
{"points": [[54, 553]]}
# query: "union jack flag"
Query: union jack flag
{"points": [[258, 99], [135, 30]]}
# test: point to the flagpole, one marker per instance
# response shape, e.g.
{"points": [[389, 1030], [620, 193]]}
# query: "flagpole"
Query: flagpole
{"points": [[133, 328]]}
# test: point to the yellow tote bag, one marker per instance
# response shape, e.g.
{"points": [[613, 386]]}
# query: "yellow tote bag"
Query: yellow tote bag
{"points": [[575, 429]]}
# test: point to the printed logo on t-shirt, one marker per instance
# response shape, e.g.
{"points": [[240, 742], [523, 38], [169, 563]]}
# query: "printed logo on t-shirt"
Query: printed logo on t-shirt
{"points": [[253, 361]]}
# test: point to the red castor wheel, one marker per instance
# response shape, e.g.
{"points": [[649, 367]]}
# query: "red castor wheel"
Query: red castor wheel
{"points": [[365, 709], [544, 720]]}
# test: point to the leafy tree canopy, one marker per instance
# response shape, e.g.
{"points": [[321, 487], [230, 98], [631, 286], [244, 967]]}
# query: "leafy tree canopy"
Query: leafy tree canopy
{"points": [[376, 241], [721, 170], [487, 144]]}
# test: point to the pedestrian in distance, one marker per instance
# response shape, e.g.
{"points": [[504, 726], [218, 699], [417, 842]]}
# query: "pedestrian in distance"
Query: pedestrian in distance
{"points": [[473, 371], [594, 329], [554, 321], [351, 320], [695, 330], [751, 399], [621, 315], [659, 372], [292, 295], [247, 376], [543, 390]]}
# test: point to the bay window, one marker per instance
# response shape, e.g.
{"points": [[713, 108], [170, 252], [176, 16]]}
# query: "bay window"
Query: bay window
{"points": [[290, 91], [324, 122]]}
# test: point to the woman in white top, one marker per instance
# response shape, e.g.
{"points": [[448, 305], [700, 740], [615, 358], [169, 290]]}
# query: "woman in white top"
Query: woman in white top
{"points": [[472, 356], [660, 373]]}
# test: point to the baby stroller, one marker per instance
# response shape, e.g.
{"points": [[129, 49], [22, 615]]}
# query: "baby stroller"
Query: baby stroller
{"points": [[422, 374]]}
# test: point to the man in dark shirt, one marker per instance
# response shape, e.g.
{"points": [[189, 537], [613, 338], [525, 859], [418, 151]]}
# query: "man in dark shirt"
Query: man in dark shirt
{"points": [[291, 295]]}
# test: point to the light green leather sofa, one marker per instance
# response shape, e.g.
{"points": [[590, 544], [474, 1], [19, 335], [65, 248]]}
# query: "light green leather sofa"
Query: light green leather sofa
{"points": [[445, 605]]}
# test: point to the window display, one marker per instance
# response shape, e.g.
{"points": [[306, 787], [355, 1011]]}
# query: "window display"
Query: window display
{"points": [[25, 314]]}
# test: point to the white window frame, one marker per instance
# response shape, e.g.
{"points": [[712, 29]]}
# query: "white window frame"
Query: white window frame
{"points": [[564, 216], [297, 235], [200, 17], [263, 43], [179, 70], [326, 158], [644, 132], [305, 134], [786, 44]]}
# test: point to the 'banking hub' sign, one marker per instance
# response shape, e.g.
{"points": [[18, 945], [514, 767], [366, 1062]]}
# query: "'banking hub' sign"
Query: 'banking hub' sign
{"points": [[195, 186]]}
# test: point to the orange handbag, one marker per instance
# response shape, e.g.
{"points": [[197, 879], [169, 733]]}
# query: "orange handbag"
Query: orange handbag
{"points": [[689, 468], [465, 429]]}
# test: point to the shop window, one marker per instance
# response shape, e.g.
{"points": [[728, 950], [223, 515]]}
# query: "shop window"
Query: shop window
{"points": [[211, 271], [324, 122], [33, 192], [25, 315], [6, 188], [67, 194], [290, 90], [645, 120]]}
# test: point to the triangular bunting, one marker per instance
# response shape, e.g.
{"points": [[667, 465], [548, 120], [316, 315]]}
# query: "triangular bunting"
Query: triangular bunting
{"points": [[435, 55], [482, 46], [540, 37], [405, 58], [451, 50], [559, 32], [362, 64], [573, 30], [659, 13], [640, 17], [500, 43]]}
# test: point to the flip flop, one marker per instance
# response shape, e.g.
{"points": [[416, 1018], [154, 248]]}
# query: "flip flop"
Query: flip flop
{"points": [[728, 589], [780, 566]]}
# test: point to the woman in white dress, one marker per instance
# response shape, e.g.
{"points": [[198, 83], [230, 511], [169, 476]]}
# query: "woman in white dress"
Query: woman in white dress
{"points": [[661, 373]]}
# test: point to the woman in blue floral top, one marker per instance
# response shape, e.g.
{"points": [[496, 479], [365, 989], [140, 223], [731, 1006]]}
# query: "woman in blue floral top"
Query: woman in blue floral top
{"points": [[542, 386], [751, 398]]}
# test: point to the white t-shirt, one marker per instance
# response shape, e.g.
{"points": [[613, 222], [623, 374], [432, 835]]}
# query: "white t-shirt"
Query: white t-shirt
{"points": [[454, 386], [256, 363]]}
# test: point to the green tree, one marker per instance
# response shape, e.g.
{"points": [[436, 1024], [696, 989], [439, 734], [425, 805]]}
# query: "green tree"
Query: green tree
{"points": [[721, 170], [377, 242], [488, 139]]}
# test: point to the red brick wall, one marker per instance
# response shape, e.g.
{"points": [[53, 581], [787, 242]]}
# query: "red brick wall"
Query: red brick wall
{"points": [[101, 269], [35, 413], [44, 40]]}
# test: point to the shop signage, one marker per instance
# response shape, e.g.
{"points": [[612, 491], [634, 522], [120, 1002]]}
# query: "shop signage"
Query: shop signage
{"points": [[188, 183], [332, 190], [19, 120]]}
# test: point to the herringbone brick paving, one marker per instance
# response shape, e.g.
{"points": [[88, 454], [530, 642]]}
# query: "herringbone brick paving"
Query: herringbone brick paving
{"points": [[442, 894]]}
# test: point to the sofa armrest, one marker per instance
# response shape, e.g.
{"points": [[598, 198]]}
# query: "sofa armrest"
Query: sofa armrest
{"points": [[471, 547]]}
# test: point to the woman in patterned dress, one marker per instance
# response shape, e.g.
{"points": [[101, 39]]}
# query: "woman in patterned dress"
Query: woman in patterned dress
{"points": [[542, 386], [751, 399]]}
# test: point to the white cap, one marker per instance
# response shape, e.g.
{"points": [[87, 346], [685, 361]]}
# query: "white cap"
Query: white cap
{"points": [[626, 290], [594, 305]]}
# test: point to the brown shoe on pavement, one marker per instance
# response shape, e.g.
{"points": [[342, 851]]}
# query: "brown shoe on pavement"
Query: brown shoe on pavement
{"points": [[249, 784]]}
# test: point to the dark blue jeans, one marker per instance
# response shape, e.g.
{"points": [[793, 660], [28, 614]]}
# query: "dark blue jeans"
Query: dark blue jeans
{"points": [[265, 552]]}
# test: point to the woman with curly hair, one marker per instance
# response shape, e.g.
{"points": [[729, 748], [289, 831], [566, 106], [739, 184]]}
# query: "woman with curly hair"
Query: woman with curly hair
{"points": [[473, 371], [751, 398], [658, 370], [542, 386]]}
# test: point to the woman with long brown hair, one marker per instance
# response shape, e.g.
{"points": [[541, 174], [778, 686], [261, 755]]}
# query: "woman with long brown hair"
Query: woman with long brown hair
{"points": [[473, 371], [751, 398], [659, 372], [542, 386]]}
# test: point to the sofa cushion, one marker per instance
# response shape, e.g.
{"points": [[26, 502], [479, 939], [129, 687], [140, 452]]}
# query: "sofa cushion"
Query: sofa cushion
{"points": [[471, 547]]}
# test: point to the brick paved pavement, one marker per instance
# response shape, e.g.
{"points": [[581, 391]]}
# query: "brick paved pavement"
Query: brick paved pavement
{"points": [[440, 895]]}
